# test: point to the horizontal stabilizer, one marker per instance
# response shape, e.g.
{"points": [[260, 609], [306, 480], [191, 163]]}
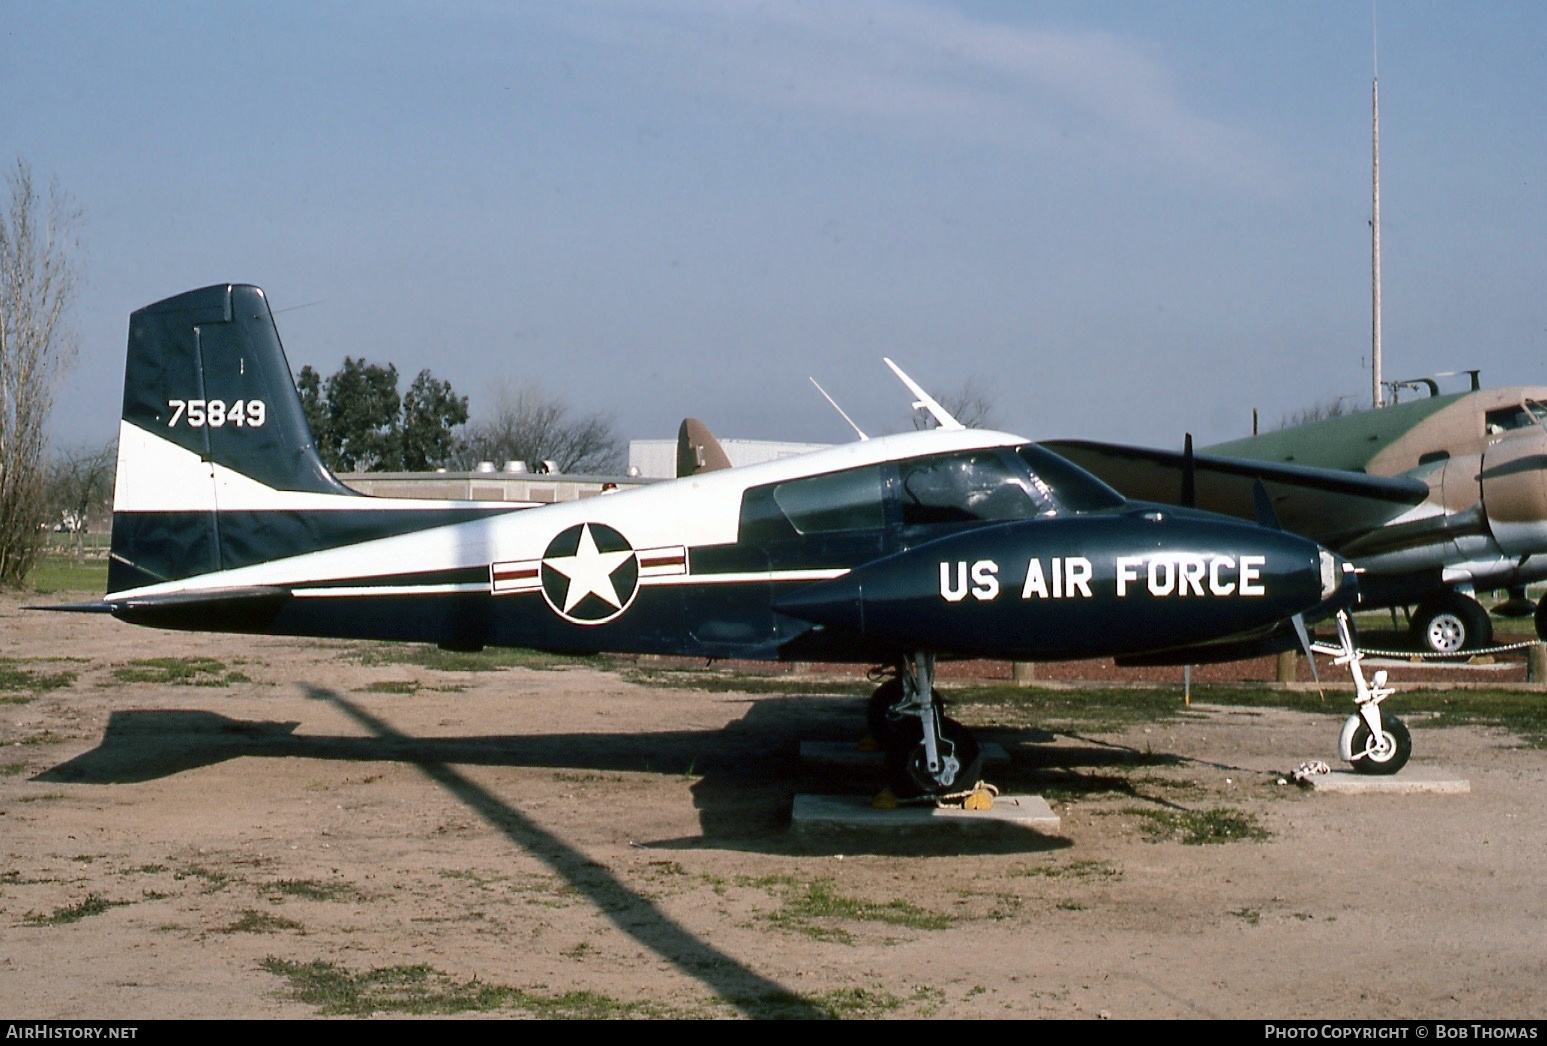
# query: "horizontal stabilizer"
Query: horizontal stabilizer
{"points": [[235, 609]]}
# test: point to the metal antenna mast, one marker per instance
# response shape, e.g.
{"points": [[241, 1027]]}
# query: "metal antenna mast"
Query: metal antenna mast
{"points": [[1375, 376]]}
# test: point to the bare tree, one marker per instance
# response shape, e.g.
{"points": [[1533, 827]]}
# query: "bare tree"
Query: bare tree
{"points": [[972, 405], [40, 275], [80, 491], [1333, 408], [530, 424]]}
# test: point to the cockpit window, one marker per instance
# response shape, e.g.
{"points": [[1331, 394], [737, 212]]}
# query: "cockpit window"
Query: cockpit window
{"points": [[953, 488], [838, 501], [1074, 489], [1507, 419]]}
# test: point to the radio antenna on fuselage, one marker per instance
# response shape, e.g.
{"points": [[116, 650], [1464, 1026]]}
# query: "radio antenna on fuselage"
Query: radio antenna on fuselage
{"points": [[839, 409]]}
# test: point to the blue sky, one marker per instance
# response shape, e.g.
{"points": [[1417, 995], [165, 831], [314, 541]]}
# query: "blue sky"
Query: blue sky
{"points": [[1129, 220]]}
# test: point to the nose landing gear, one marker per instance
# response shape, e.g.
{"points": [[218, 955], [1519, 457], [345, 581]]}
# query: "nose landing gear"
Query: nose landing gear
{"points": [[1370, 742]]}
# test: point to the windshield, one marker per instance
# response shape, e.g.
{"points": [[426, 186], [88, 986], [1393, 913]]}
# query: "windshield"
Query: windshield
{"points": [[955, 488], [1074, 489]]}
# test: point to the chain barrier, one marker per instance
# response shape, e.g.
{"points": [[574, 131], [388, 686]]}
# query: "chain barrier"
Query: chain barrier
{"points": [[1429, 655]]}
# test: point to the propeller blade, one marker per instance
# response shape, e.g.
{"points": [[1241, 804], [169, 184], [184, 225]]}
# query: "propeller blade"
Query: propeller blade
{"points": [[1305, 644], [1266, 517]]}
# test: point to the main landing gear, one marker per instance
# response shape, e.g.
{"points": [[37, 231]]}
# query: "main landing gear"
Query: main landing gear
{"points": [[1370, 742], [1450, 624], [927, 753]]}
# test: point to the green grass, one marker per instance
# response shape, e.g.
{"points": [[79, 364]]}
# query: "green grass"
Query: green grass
{"points": [[491, 659], [94, 904], [261, 922], [60, 573], [312, 890], [807, 906], [1200, 827], [15, 678], [1521, 712], [715, 680], [406, 687], [1083, 870], [214, 881], [179, 671], [418, 989]]}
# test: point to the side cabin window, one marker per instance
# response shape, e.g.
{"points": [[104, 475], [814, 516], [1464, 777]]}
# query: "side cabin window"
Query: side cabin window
{"points": [[959, 488], [838, 502]]}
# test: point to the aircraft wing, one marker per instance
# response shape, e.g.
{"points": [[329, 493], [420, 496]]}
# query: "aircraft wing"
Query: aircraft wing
{"points": [[1330, 506]]}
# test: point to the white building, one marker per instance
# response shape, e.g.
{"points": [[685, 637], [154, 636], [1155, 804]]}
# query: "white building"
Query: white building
{"points": [[657, 458]]}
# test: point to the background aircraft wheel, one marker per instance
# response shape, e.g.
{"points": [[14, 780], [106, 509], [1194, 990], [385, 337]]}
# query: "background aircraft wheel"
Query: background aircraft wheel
{"points": [[1391, 756], [891, 731], [1451, 624], [909, 766], [1541, 619]]}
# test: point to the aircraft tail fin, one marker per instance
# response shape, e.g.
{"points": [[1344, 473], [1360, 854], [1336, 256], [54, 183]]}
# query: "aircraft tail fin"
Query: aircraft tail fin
{"points": [[697, 450], [212, 427]]}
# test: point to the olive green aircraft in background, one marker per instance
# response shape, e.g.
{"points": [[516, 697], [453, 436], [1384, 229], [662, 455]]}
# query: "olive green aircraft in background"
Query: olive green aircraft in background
{"points": [[1436, 501]]}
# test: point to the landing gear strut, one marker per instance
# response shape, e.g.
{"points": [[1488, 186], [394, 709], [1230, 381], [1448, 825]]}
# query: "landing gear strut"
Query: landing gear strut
{"points": [[1370, 742], [927, 754]]}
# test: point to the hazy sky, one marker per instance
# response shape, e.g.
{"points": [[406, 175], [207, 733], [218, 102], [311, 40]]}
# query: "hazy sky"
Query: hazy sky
{"points": [[1126, 219]]}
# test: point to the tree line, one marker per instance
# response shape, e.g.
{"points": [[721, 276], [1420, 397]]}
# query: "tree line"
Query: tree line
{"points": [[361, 424]]}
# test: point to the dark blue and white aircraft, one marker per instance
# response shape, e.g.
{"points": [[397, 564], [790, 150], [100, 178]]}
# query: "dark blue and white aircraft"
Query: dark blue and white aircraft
{"points": [[892, 551]]}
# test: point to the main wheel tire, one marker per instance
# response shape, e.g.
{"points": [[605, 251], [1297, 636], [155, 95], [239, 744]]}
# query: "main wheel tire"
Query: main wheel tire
{"points": [[1541, 619], [1451, 624], [909, 767], [1391, 755]]}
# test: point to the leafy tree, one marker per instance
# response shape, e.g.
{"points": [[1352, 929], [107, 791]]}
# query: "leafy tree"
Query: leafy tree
{"points": [[361, 424], [40, 274], [430, 410]]}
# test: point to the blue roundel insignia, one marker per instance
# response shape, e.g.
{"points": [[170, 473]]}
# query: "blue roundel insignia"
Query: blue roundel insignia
{"points": [[590, 574]]}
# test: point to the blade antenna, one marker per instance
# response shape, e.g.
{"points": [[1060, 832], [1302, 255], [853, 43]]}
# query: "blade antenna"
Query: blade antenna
{"points": [[829, 399], [942, 416], [1189, 476]]}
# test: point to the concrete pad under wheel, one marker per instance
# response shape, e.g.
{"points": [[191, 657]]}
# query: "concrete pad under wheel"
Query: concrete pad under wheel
{"points": [[1411, 780], [844, 755], [816, 813]]}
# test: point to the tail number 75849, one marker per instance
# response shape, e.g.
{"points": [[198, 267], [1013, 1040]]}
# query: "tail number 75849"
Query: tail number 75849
{"points": [[217, 414]]}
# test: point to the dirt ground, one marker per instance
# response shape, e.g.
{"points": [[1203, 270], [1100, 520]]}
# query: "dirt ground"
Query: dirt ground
{"points": [[324, 831]]}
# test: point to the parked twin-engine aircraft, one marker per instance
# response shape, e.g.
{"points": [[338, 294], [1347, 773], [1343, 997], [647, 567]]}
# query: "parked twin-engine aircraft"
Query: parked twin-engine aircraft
{"points": [[890, 551], [1433, 500]]}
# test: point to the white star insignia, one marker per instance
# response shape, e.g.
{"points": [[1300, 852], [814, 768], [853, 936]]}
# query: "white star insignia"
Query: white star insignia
{"points": [[590, 571]]}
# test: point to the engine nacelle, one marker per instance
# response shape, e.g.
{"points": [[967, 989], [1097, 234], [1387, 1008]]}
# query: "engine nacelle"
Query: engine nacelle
{"points": [[1514, 491]]}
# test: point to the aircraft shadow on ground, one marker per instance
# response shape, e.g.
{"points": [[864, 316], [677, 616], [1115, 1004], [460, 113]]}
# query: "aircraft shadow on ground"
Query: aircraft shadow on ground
{"points": [[142, 746], [744, 771], [744, 774]]}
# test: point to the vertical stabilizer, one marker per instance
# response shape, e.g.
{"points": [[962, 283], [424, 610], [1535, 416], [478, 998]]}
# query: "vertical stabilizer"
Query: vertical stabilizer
{"points": [[211, 423]]}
